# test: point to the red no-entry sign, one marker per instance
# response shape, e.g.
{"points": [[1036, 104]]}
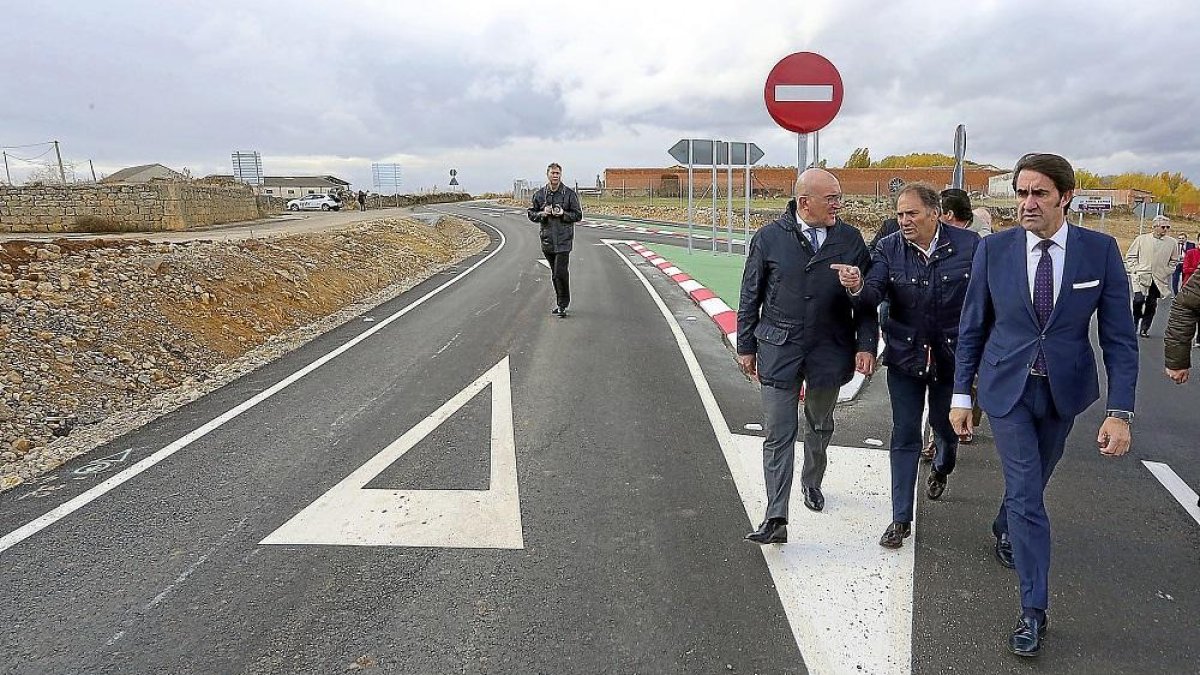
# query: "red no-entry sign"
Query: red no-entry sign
{"points": [[803, 92]]}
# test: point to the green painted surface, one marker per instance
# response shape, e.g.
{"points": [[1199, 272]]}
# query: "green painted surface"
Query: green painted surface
{"points": [[721, 273]]}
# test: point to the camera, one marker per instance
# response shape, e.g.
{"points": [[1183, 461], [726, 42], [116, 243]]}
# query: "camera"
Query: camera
{"points": [[557, 210]]}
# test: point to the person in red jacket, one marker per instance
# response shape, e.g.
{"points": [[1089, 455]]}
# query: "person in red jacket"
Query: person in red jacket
{"points": [[1191, 261]]}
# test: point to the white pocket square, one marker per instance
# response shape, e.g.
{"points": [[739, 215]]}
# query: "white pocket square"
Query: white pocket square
{"points": [[1086, 284]]}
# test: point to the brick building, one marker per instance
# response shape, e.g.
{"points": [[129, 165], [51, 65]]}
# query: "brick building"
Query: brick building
{"points": [[779, 180]]}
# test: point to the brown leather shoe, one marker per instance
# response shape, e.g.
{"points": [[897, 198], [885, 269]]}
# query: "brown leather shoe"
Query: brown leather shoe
{"points": [[894, 536]]}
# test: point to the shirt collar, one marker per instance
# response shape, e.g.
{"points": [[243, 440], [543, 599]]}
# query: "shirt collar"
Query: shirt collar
{"points": [[1060, 238]]}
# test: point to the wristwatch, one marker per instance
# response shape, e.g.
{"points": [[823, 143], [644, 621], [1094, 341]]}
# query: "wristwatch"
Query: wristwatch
{"points": [[1122, 415]]}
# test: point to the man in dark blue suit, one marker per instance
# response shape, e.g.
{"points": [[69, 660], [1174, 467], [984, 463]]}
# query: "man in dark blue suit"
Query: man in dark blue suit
{"points": [[1024, 330]]}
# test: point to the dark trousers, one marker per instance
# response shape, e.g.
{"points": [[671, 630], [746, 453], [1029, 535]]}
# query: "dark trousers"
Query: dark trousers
{"points": [[908, 403], [782, 425], [1144, 306], [1030, 441], [560, 276]]}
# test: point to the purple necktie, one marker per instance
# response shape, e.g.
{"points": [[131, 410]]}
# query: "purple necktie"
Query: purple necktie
{"points": [[1043, 296]]}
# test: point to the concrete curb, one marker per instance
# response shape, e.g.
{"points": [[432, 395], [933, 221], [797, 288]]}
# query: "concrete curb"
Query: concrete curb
{"points": [[721, 314]]}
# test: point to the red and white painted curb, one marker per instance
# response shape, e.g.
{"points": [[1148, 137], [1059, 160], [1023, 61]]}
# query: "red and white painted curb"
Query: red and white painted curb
{"points": [[714, 307], [721, 314]]}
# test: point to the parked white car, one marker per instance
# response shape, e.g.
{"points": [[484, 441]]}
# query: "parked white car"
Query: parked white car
{"points": [[313, 203]]}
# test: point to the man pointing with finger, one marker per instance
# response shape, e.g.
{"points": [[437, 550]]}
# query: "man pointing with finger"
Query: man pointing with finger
{"points": [[923, 271], [796, 327], [1024, 329]]}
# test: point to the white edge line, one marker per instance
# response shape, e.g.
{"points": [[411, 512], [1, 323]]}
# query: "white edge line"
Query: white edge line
{"points": [[1185, 495], [814, 662], [67, 508]]}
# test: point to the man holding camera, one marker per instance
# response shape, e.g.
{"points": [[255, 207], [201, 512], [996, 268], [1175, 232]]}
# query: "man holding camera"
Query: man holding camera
{"points": [[556, 207]]}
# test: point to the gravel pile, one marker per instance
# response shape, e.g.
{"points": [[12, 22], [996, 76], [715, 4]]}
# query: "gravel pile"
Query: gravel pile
{"points": [[99, 337]]}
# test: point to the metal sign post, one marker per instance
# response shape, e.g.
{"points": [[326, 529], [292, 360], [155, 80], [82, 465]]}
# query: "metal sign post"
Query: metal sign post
{"points": [[713, 188], [746, 241], [704, 152], [729, 202], [958, 178], [691, 179]]}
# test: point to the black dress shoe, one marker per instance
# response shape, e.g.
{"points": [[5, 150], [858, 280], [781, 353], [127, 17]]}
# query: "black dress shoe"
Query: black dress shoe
{"points": [[556, 311], [937, 485], [1026, 639], [813, 498], [894, 536], [928, 452], [562, 312], [1004, 551], [1144, 333], [772, 531]]}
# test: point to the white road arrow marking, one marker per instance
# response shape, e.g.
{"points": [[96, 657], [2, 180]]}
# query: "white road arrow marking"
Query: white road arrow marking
{"points": [[1183, 494], [804, 93], [350, 514]]}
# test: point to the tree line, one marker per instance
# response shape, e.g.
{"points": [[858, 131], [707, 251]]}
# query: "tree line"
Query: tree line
{"points": [[1169, 188]]}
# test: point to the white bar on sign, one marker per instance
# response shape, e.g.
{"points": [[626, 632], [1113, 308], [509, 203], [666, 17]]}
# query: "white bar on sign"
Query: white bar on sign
{"points": [[803, 93]]}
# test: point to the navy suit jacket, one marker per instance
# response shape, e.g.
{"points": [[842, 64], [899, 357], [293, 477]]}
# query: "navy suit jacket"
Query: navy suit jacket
{"points": [[998, 335]]}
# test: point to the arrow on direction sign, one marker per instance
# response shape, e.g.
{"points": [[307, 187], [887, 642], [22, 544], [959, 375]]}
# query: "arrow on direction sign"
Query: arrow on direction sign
{"points": [[351, 514]]}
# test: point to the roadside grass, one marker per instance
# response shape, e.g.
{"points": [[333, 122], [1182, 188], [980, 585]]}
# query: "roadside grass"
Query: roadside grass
{"points": [[721, 273]]}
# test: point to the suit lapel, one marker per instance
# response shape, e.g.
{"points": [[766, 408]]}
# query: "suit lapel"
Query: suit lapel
{"points": [[1070, 270]]}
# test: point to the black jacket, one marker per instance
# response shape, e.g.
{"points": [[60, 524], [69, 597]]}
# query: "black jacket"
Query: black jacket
{"points": [[791, 297], [926, 299], [558, 232]]}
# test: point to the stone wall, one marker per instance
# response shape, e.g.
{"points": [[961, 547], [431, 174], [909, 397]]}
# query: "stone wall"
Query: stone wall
{"points": [[153, 206]]}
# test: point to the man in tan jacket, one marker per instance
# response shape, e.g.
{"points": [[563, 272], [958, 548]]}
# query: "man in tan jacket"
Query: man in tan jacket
{"points": [[1150, 262]]}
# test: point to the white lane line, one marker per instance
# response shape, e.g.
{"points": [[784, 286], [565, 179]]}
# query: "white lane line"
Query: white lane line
{"points": [[856, 615], [67, 508], [543, 263], [1183, 494]]}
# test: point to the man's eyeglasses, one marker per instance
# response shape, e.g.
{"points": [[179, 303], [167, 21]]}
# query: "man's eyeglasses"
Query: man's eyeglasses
{"points": [[829, 199]]}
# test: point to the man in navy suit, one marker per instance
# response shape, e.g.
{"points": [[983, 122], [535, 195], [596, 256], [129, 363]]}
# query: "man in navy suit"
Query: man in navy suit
{"points": [[1024, 330]]}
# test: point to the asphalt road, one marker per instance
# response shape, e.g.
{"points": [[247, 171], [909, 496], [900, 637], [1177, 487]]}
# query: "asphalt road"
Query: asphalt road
{"points": [[557, 496]]}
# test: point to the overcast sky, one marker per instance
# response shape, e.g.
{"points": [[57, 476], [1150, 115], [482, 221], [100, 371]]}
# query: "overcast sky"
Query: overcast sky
{"points": [[499, 89]]}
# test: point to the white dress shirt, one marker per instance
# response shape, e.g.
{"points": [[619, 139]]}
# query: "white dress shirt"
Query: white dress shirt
{"points": [[821, 232]]}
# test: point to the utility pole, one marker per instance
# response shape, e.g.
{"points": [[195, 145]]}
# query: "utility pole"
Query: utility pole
{"points": [[62, 174], [93, 168], [6, 173]]}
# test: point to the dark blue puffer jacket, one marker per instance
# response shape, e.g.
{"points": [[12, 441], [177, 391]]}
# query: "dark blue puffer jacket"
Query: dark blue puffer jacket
{"points": [[926, 299]]}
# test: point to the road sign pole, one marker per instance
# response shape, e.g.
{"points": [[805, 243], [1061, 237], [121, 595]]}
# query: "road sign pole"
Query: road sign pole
{"points": [[691, 182], [746, 242], [729, 204], [713, 189], [816, 148], [801, 155]]}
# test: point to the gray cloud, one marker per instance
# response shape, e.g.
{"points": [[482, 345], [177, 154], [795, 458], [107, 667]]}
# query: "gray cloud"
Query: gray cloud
{"points": [[496, 90]]}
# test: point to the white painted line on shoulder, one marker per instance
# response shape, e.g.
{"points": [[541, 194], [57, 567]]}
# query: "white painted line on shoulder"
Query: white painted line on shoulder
{"points": [[67, 508], [543, 263], [848, 601], [1183, 494]]}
